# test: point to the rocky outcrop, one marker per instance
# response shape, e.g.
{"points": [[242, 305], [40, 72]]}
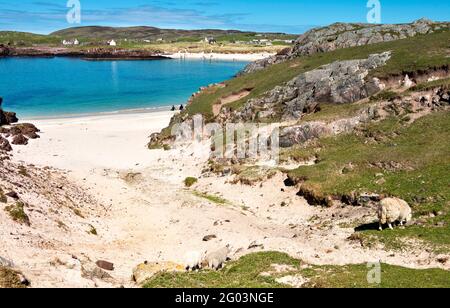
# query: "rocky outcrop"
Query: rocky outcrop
{"points": [[299, 134], [5, 145], [341, 35], [7, 118], [4, 50], [339, 82], [20, 133], [94, 53], [414, 106]]}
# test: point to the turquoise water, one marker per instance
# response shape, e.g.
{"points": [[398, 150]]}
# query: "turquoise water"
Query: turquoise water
{"points": [[39, 87]]}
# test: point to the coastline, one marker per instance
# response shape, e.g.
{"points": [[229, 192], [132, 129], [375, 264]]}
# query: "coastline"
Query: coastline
{"points": [[245, 57], [106, 54], [134, 111]]}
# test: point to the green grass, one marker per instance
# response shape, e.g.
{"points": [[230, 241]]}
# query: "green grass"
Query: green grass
{"points": [[420, 150], [17, 213], [211, 198], [331, 112], [246, 273], [430, 51], [23, 39], [426, 86], [189, 181], [385, 95]]}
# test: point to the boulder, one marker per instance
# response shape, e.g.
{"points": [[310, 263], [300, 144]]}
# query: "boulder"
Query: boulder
{"points": [[12, 194], [5, 145], [146, 271], [105, 265], [7, 118], [20, 140], [26, 129], [208, 238], [5, 262], [92, 271]]}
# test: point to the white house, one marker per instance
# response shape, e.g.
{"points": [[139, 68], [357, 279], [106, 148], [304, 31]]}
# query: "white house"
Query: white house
{"points": [[210, 40], [70, 43], [112, 43]]}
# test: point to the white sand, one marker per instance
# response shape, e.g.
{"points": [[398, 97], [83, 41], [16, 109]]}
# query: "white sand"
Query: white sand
{"points": [[115, 141], [221, 56]]}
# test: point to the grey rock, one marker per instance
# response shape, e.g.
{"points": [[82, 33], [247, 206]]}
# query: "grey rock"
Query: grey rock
{"points": [[6, 263], [5, 145], [209, 238], [105, 265], [339, 82], [299, 134]]}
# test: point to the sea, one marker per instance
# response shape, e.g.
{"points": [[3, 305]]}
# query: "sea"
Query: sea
{"points": [[56, 87]]}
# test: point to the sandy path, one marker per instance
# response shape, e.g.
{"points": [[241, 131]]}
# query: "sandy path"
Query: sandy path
{"points": [[228, 100]]}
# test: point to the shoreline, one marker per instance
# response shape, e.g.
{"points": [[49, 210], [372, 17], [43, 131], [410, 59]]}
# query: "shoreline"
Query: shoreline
{"points": [[244, 57], [134, 111], [118, 54]]}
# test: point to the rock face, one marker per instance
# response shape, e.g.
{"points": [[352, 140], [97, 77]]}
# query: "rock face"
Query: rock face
{"points": [[7, 118], [299, 134], [339, 83], [341, 35], [4, 50]]}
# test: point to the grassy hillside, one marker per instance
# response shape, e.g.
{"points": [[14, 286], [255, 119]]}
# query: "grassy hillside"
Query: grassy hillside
{"points": [[27, 39], [151, 33], [246, 273], [430, 51], [392, 157], [360, 162]]}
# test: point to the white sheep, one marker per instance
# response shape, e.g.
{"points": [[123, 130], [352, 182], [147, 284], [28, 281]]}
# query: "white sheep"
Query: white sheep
{"points": [[391, 210], [193, 260], [215, 260]]}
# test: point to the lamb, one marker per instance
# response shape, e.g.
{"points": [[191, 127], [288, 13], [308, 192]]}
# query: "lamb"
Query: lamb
{"points": [[215, 260], [193, 260], [391, 210]]}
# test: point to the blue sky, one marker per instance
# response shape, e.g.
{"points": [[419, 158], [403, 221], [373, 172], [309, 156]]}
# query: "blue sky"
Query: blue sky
{"points": [[291, 16]]}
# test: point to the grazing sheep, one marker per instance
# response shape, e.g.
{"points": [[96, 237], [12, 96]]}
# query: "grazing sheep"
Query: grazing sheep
{"points": [[391, 210], [215, 260], [193, 260]]}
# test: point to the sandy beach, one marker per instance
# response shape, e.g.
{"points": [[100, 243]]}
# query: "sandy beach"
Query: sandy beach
{"points": [[250, 57], [143, 211]]}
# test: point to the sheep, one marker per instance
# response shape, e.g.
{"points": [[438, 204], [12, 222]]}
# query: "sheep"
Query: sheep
{"points": [[391, 210], [215, 260], [193, 260]]}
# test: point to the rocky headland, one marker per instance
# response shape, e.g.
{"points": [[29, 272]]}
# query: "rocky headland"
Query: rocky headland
{"points": [[342, 35], [89, 54]]}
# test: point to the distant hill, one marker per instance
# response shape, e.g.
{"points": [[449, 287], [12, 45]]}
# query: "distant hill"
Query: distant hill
{"points": [[152, 33]]}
